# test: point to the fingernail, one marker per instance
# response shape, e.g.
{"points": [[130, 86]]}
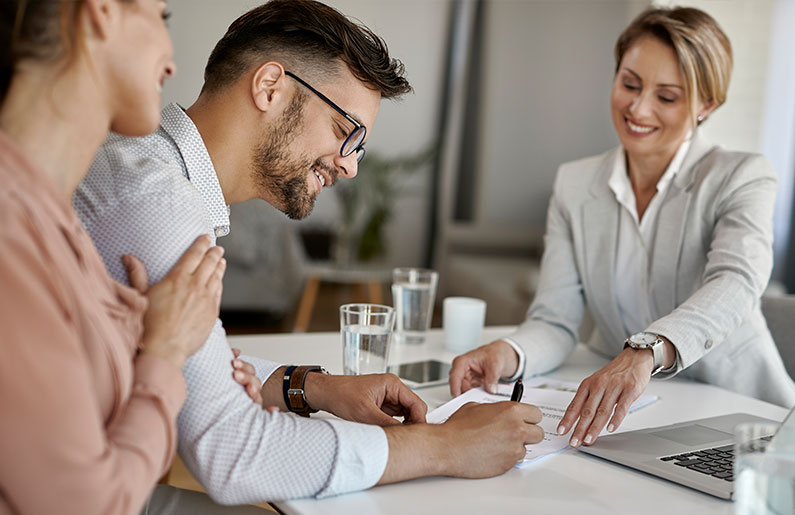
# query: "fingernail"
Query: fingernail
{"points": [[236, 363], [611, 428], [588, 439], [575, 442], [492, 388], [561, 429], [238, 374]]}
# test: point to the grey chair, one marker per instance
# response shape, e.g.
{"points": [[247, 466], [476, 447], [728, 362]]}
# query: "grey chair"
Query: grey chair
{"points": [[779, 312]]}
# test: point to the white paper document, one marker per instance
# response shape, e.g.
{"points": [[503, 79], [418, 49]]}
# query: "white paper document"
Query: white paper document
{"points": [[551, 396]]}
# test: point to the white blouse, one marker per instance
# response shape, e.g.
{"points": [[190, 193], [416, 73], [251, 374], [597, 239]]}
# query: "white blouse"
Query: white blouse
{"points": [[635, 243]]}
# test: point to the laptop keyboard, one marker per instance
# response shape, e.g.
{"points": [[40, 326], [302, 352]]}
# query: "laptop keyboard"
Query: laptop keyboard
{"points": [[717, 462]]}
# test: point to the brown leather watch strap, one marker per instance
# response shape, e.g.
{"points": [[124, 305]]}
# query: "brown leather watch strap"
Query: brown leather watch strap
{"points": [[295, 393]]}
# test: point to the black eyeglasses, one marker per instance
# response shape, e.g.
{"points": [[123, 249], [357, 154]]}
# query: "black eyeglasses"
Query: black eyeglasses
{"points": [[353, 143]]}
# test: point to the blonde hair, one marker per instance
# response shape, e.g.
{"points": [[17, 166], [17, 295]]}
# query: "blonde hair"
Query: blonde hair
{"points": [[42, 30], [701, 48]]}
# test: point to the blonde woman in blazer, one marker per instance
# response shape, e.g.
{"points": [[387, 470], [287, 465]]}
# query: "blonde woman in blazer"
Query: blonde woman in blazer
{"points": [[666, 235]]}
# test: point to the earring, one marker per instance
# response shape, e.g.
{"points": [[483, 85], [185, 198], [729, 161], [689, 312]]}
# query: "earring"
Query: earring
{"points": [[700, 118]]}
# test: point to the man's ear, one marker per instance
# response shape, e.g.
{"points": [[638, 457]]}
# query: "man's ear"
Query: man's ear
{"points": [[268, 85], [100, 17]]}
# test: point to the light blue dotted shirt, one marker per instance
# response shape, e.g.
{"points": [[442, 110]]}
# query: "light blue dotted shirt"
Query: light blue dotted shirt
{"points": [[152, 197]]}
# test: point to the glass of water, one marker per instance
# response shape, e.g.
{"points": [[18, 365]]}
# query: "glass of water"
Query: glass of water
{"points": [[764, 470], [413, 293], [366, 330]]}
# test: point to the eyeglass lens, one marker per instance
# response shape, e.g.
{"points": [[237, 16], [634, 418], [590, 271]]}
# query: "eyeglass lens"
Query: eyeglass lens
{"points": [[353, 142]]}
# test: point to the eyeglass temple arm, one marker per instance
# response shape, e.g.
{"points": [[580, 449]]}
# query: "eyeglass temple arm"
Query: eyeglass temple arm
{"points": [[325, 98]]}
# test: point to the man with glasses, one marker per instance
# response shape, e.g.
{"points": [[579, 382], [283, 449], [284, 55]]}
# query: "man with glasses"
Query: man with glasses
{"points": [[288, 95]]}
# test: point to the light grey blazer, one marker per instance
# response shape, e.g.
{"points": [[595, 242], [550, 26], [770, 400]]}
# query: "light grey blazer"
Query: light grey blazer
{"points": [[711, 261]]}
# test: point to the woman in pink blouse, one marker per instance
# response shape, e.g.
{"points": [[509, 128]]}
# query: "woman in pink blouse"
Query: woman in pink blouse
{"points": [[90, 382]]}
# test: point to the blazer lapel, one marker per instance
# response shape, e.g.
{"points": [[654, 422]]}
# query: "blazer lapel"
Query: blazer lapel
{"points": [[671, 227], [600, 227], [668, 240]]}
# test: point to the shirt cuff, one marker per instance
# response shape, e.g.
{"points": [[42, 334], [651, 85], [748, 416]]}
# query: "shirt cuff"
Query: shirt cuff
{"points": [[262, 367], [520, 368], [362, 453]]}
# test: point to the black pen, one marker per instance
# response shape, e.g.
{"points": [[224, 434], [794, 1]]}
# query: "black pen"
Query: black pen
{"points": [[518, 390]]}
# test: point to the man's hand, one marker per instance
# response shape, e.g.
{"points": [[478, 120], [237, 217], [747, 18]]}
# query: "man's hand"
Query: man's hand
{"points": [[477, 441], [483, 366], [614, 386], [371, 398]]}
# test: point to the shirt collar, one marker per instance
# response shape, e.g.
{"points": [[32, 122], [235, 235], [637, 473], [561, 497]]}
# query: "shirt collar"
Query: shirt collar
{"points": [[201, 172], [619, 178]]}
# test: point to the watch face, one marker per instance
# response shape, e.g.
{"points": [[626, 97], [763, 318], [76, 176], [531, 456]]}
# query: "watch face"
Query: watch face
{"points": [[644, 339]]}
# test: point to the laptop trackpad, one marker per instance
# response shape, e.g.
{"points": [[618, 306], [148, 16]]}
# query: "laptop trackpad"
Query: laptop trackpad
{"points": [[692, 435]]}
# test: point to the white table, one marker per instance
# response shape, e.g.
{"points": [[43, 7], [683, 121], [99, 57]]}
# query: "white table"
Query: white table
{"points": [[568, 482]]}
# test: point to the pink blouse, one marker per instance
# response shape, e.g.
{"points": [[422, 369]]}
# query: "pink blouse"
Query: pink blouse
{"points": [[86, 426]]}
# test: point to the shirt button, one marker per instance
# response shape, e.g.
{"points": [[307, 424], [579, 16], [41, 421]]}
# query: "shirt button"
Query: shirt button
{"points": [[708, 344]]}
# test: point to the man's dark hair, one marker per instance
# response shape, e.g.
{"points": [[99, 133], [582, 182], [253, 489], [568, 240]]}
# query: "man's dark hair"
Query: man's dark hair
{"points": [[310, 39]]}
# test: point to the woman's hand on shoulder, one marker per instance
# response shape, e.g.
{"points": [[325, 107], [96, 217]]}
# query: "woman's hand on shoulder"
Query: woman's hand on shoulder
{"points": [[184, 305]]}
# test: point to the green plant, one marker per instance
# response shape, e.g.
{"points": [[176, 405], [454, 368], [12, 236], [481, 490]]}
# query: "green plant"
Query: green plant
{"points": [[368, 200]]}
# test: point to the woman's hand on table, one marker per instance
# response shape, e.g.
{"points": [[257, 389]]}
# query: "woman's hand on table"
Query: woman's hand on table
{"points": [[483, 366], [611, 390]]}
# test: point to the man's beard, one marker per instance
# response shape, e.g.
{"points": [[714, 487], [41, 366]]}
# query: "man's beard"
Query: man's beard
{"points": [[281, 175]]}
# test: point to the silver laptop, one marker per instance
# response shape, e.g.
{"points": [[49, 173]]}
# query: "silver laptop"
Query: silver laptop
{"points": [[698, 454]]}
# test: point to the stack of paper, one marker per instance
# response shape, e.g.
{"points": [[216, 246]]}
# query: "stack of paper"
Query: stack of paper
{"points": [[551, 396]]}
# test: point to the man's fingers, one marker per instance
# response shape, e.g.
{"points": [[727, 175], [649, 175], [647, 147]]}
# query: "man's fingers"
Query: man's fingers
{"points": [[405, 401], [192, 257], [382, 419], [416, 408], [533, 414], [136, 273], [236, 352], [533, 434]]}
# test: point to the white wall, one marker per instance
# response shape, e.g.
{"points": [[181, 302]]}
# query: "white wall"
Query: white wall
{"points": [[778, 133], [548, 69]]}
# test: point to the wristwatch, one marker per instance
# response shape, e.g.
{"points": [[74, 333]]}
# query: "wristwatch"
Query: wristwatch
{"points": [[648, 341], [293, 388]]}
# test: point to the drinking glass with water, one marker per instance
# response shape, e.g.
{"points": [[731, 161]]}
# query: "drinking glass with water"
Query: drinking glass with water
{"points": [[366, 331], [764, 469], [413, 293]]}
